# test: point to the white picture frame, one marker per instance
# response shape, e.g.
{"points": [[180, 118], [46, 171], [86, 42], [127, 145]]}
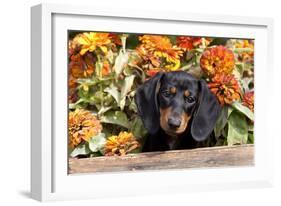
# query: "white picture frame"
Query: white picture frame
{"points": [[49, 177]]}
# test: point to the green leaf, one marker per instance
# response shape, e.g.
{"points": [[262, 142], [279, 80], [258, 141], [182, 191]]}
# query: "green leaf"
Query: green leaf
{"points": [[123, 40], [98, 69], [136, 151], [128, 83], [87, 81], [116, 117], [76, 104], [251, 127], [128, 71], [221, 122], [237, 129], [242, 50], [218, 41], [133, 106], [97, 142], [250, 138], [97, 97], [229, 111], [71, 106], [104, 109], [132, 41], [82, 149], [113, 91], [120, 61], [110, 56], [247, 83], [239, 67], [245, 110], [138, 128]]}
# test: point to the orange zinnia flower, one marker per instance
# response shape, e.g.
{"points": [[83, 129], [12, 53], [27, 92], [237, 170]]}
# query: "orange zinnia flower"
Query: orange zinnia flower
{"points": [[72, 92], [79, 67], [72, 95], [82, 125], [152, 72], [82, 66], [225, 87], [149, 60], [217, 60], [73, 46], [105, 68], [161, 47], [188, 43], [248, 100], [115, 39], [120, 145]]}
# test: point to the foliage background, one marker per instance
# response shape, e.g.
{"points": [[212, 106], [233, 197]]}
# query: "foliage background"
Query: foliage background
{"points": [[106, 68]]}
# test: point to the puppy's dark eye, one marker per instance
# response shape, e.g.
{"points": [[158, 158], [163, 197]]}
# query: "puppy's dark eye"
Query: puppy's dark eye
{"points": [[166, 93], [190, 99]]}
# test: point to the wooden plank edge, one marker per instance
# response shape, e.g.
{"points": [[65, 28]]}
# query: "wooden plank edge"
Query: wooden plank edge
{"points": [[209, 157]]}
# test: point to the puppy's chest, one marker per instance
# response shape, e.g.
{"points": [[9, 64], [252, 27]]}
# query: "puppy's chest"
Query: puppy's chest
{"points": [[172, 142]]}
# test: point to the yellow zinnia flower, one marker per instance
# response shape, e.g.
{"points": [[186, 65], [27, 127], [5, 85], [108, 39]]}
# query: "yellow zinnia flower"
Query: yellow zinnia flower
{"points": [[121, 145], [89, 41]]}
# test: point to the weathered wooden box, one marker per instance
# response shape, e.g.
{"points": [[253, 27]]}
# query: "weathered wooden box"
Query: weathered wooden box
{"points": [[234, 156]]}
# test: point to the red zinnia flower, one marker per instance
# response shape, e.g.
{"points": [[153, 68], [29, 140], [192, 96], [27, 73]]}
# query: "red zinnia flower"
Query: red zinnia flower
{"points": [[226, 88], [217, 60], [188, 43], [248, 100]]}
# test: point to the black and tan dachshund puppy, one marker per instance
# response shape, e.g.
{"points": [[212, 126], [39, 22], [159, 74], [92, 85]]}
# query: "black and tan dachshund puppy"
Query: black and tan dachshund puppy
{"points": [[177, 109]]}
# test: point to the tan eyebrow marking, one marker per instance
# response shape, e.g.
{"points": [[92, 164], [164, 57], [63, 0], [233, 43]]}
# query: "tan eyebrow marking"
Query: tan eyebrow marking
{"points": [[173, 90], [186, 93]]}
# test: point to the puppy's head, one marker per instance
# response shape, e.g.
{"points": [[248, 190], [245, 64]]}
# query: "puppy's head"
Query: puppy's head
{"points": [[175, 101], [177, 98]]}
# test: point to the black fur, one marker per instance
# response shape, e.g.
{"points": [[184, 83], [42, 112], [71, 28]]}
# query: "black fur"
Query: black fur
{"points": [[204, 110]]}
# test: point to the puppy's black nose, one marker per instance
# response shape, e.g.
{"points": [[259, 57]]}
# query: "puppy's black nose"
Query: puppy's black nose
{"points": [[174, 122]]}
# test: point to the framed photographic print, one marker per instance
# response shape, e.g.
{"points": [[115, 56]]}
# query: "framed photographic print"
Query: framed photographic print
{"points": [[135, 99]]}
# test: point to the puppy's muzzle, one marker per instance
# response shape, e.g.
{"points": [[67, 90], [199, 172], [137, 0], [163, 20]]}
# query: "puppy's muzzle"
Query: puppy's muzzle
{"points": [[174, 122]]}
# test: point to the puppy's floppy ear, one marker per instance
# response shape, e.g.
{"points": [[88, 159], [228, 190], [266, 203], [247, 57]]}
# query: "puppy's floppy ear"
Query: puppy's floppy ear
{"points": [[147, 103], [206, 114]]}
